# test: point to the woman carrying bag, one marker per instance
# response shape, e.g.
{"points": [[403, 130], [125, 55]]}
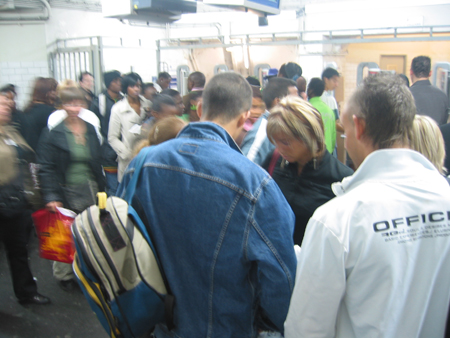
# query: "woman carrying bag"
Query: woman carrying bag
{"points": [[70, 169], [13, 208]]}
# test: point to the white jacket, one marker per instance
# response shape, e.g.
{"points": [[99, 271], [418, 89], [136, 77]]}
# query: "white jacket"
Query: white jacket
{"points": [[58, 116], [124, 130], [375, 261]]}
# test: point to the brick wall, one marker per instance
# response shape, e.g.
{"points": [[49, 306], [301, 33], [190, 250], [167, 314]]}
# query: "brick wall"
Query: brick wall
{"points": [[22, 75]]}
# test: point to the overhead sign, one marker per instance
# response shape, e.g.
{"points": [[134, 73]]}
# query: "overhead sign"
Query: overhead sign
{"points": [[264, 6]]}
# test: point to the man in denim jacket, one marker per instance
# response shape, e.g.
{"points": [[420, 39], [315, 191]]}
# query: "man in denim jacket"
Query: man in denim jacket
{"points": [[221, 227]]}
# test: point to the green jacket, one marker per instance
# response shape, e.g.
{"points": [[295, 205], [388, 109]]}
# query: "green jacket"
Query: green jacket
{"points": [[329, 122]]}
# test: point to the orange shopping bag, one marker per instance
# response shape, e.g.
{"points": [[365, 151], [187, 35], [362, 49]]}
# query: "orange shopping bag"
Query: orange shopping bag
{"points": [[54, 233]]}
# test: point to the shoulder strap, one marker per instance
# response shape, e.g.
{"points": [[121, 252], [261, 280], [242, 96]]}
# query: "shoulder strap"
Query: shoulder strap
{"points": [[169, 299], [273, 161], [131, 187]]}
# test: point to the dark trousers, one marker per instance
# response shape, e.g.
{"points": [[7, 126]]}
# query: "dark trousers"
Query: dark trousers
{"points": [[14, 234]]}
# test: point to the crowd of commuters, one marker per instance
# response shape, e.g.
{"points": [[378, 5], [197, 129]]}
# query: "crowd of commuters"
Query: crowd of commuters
{"points": [[238, 175]]}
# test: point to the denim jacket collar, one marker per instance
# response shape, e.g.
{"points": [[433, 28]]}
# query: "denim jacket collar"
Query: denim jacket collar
{"points": [[210, 131]]}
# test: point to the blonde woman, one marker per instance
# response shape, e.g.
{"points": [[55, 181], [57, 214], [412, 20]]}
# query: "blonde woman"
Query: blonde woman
{"points": [[70, 169], [305, 170], [163, 130], [427, 139]]}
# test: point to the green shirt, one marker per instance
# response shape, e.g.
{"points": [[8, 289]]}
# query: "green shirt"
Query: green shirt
{"points": [[329, 122], [78, 171]]}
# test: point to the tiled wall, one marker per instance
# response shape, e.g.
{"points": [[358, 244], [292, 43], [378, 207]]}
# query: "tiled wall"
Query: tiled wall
{"points": [[22, 75]]}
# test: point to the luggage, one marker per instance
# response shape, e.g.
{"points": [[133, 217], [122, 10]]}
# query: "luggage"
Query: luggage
{"points": [[117, 266]]}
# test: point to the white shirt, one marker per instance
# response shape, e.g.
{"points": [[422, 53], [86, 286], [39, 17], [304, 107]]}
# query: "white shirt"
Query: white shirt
{"points": [[330, 101], [86, 115], [375, 260], [157, 87]]}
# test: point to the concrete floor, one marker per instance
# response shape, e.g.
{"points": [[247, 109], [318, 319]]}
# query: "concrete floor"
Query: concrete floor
{"points": [[68, 316]]}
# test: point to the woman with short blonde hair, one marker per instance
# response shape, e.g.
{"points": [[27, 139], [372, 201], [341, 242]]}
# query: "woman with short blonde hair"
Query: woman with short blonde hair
{"points": [[304, 169], [427, 139], [296, 118]]}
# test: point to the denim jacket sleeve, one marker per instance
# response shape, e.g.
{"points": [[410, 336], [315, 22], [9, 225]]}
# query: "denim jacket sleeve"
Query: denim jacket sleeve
{"points": [[270, 245]]}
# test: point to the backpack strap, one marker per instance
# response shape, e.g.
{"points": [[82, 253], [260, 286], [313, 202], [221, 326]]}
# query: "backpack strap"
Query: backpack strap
{"points": [[131, 187]]}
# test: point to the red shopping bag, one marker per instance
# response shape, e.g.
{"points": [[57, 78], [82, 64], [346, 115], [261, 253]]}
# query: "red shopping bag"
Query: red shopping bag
{"points": [[55, 237]]}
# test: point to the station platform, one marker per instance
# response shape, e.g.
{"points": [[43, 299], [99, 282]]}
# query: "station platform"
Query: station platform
{"points": [[68, 315]]}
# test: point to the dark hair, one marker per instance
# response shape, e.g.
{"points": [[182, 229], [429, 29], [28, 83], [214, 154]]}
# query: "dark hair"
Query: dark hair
{"points": [[159, 100], [282, 71], [293, 70], [329, 73], [9, 88], [42, 86], [253, 81], [301, 84], [256, 92], [195, 95], [164, 75], [110, 76], [130, 80], [404, 78], [80, 78], [171, 92], [198, 78], [421, 66], [315, 87], [147, 85], [70, 94], [388, 108], [226, 96], [278, 87]]}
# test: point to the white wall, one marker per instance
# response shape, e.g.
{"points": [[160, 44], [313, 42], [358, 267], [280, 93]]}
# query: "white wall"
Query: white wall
{"points": [[65, 24], [23, 57]]}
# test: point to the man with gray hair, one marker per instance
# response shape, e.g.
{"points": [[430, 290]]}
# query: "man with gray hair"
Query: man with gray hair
{"points": [[221, 226], [374, 260]]}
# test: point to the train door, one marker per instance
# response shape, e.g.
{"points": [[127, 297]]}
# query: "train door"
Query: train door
{"points": [[395, 63]]}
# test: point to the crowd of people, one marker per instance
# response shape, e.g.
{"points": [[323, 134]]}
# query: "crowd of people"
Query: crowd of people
{"points": [[260, 229]]}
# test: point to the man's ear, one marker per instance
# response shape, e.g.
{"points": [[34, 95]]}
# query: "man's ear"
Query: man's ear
{"points": [[360, 127], [275, 101], [429, 75], [242, 118], [200, 109]]}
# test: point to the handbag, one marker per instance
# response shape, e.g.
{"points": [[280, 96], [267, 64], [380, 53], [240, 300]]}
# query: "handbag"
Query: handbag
{"points": [[31, 187]]}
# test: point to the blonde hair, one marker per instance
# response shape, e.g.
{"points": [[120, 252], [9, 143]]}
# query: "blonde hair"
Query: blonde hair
{"points": [[67, 91], [297, 118], [163, 130], [427, 139]]}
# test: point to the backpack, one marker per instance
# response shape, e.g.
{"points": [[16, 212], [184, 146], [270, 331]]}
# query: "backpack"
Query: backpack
{"points": [[117, 267]]}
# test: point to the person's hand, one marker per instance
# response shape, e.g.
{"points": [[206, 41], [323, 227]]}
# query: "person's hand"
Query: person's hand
{"points": [[51, 206]]}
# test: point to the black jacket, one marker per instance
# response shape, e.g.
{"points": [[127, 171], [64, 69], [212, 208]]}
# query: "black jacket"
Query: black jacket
{"points": [[310, 190], [109, 156], [430, 101], [54, 159], [34, 121]]}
